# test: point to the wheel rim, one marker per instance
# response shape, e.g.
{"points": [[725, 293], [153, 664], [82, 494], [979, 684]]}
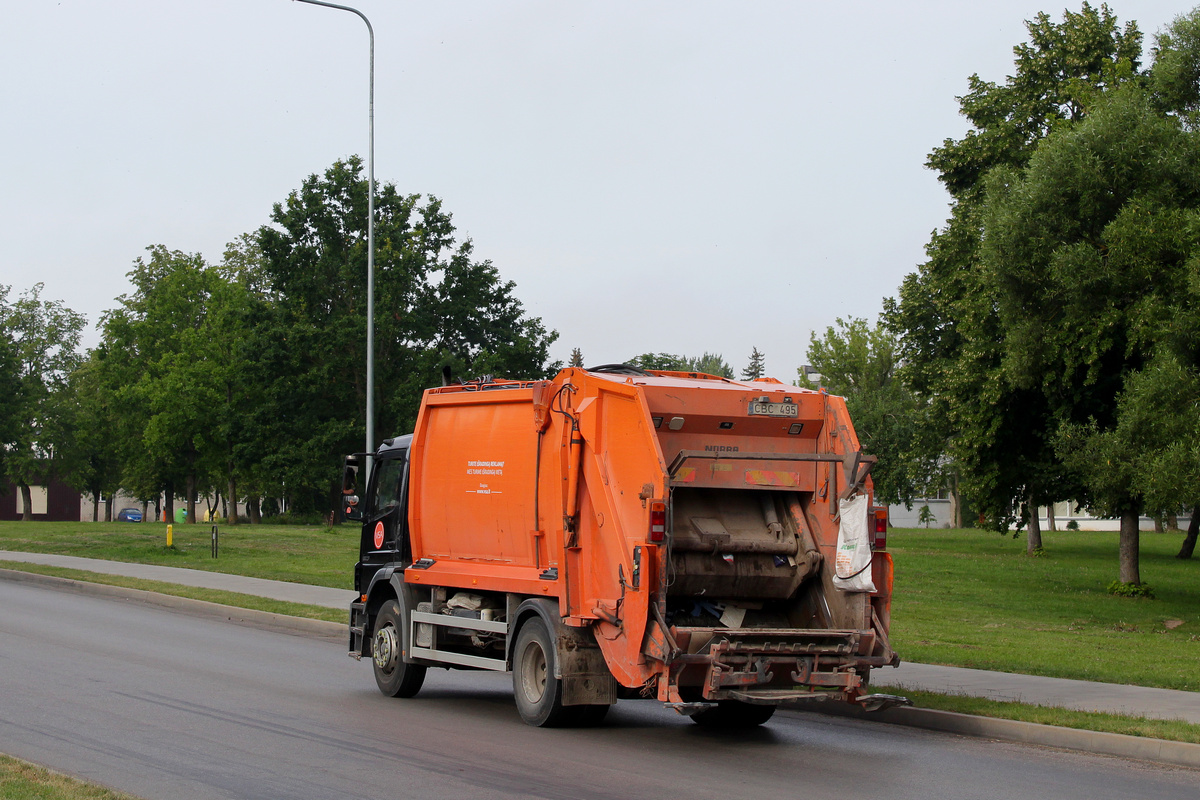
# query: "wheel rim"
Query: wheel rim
{"points": [[533, 672], [385, 648]]}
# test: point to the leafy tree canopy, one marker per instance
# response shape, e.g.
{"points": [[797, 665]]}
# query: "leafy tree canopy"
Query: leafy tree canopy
{"points": [[708, 363], [997, 431], [40, 340], [858, 361]]}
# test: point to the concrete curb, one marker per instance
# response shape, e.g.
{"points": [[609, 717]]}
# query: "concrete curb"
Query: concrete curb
{"points": [[1183, 754], [299, 626], [1162, 751]]}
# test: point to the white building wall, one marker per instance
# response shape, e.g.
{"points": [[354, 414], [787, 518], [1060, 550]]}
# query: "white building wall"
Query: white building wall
{"points": [[1064, 513], [122, 500]]}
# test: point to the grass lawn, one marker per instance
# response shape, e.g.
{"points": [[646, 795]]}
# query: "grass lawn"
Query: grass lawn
{"points": [[299, 553], [1174, 730], [20, 780], [973, 598]]}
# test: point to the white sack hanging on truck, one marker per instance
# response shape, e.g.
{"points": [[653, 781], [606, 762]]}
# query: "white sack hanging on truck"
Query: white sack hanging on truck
{"points": [[852, 571]]}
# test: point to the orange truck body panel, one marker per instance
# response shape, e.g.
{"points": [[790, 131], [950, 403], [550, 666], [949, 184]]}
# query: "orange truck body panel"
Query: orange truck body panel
{"points": [[545, 489]]}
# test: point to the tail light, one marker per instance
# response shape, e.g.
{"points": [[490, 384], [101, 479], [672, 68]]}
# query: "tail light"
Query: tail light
{"points": [[880, 540], [658, 521]]}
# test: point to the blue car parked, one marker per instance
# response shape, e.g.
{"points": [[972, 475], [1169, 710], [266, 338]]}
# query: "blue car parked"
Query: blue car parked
{"points": [[129, 515]]}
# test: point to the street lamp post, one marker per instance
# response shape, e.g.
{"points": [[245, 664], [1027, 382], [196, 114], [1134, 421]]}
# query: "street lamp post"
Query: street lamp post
{"points": [[370, 449]]}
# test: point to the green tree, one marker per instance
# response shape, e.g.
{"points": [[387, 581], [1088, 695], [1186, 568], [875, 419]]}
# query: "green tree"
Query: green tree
{"points": [[239, 300], [10, 385], [713, 364], [756, 368], [45, 336], [1058, 73], [576, 358], [177, 368], [708, 363], [1092, 247], [436, 306], [858, 362], [663, 361], [998, 432], [1158, 412], [167, 355], [91, 453]]}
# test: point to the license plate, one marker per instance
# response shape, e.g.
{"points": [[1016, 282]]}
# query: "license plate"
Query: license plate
{"points": [[760, 409]]}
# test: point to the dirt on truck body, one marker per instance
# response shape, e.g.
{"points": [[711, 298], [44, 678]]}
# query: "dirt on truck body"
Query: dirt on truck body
{"points": [[618, 533]]}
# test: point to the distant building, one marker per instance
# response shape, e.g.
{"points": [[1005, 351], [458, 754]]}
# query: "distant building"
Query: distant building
{"points": [[52, 501], [1065, 513]]}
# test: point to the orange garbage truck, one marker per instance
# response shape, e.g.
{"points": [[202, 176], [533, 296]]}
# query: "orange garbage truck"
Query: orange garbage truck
{"points": [[622, 533]]}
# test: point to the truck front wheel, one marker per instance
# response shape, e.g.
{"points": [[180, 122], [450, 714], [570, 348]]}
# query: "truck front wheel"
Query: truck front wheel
{"points": [[538, 692], [395, 678]]}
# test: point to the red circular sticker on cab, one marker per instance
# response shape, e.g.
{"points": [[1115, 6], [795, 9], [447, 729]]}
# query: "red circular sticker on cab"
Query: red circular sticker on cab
{"points": [[378, 535]]}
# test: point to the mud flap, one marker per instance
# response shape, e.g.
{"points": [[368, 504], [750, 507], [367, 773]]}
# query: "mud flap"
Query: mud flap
{"points": [[586, 679]]}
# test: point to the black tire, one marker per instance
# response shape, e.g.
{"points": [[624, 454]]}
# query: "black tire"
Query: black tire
{"points": [[537, 691], [733, 714], [394, 677]]}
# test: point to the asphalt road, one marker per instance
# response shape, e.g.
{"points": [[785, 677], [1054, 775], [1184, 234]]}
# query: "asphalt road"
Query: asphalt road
{"points": [[165, 705]]}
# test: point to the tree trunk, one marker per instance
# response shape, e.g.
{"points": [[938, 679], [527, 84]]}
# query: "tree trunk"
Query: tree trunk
{"points": [[1189, 541], [96, 506], [1033, 544], [1158, 524], [145, 508], [158, 515], [956, 504], [191, 498], [231, 516], [170, 502], [254, 509], [1172, 522], [1129, 547], [26, 503], [1050, 518], [108, 508]]}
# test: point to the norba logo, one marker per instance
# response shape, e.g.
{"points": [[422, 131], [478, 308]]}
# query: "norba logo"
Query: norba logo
{"points": [[720, 448]]}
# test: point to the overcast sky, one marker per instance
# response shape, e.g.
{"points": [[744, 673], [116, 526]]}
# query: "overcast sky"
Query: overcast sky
{"points": [[654, 176]]}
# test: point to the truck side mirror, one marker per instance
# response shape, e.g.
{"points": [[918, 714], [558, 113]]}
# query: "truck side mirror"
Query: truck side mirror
{"points": [[350, 509], [350, 475]]}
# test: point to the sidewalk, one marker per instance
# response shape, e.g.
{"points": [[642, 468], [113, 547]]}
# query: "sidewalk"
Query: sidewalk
{"points": [[259, 587], [1113, 698]]}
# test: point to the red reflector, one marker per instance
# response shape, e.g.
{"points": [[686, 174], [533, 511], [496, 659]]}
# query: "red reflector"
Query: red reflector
{"points": [[658, 522], [880, 542]]}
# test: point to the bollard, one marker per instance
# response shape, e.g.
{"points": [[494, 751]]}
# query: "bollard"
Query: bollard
{"points": [[169, 536], [216, 534]]}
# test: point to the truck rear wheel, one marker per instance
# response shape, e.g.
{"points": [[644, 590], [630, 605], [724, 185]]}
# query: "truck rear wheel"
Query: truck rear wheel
{"points": [[733, 714], [394, 677], [538, 692]]}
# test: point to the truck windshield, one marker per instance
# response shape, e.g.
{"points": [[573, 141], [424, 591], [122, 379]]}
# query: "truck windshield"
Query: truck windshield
{"points": [[387, 484]]}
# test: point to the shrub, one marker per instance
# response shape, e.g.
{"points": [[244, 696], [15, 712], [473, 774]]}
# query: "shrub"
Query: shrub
{"points": [[1131, 590]]}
